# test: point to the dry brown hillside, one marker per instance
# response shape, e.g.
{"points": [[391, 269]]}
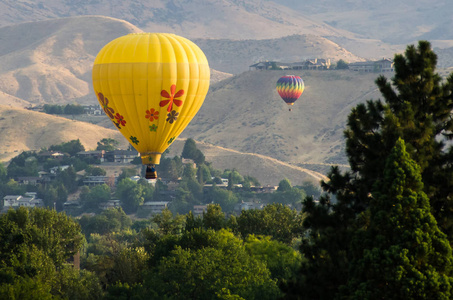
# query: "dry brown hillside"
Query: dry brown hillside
{"points": [[195, 19], [51, 61], [24, 130], [235, 56], [245, 113]]}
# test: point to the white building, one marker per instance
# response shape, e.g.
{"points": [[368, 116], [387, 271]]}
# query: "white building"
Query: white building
{"points": [[16, 201], [155, 207]]}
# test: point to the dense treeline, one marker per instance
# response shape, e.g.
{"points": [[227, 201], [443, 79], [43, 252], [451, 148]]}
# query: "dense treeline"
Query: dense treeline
{"points": [[191, 189], [165, 257], [388, 235]]}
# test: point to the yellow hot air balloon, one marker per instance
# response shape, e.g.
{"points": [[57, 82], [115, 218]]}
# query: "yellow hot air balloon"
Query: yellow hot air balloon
{"points": [[151, 85]]}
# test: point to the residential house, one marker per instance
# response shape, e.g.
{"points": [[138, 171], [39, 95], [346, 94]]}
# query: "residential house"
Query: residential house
{"points": [[383, 65], [95, 180], [121, 156], [32, 180], [155, 207], [198, 210], [15, 201], [51, 154], [97, 154], [110, 204], [264, 189], [312, 64], [247, 206], [93, 110], [269, 65]]}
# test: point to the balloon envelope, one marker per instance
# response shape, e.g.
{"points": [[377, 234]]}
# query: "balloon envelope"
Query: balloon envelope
{"points": [[290, 87], [151, 85]]}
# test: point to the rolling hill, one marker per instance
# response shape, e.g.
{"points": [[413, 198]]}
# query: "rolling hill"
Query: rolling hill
{"points": [[50, 61], [24, 130], [254, 119], [231, 19]]}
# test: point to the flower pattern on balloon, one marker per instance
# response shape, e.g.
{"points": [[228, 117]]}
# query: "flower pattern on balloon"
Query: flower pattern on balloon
{"points": [[120, 119], [172, 116], [171, 98], [152, 114], [134, 140], [153, 127], [105, 105], [171, 140]]}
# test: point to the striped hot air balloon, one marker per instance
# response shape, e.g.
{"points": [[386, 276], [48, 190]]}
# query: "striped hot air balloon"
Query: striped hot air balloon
{"points": [[290, 87]]}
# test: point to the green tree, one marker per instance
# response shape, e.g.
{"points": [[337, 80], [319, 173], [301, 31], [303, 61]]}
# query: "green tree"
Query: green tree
{"points": [[170, 168], [131, 195], [417, 108], [169, 224], [225, 198], [55, 234], [214, 218], [341, 65], [73, 109], [68, 178], [70, 283], [190, 148], [3, 174], [282, 260], [127, 173], [221, 268], [284, 185], [91, 198], [95, 171], [71, 147], [402, 248], [276, 220], [107, 144]]}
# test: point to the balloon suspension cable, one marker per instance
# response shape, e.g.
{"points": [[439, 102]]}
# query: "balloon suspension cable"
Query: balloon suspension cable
{"points": [[150, 172]]}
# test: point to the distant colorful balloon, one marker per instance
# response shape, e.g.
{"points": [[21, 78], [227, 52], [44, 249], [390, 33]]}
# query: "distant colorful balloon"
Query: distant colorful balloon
{"points": [[290, 87]]}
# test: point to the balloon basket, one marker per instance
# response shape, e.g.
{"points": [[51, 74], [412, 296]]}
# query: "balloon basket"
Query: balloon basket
{"points": [[150, 172]]}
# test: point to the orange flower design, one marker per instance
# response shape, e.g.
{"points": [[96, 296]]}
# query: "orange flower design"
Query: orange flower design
{"points": [[152, 114], [171, 98], [105, 105], [120, 119]]}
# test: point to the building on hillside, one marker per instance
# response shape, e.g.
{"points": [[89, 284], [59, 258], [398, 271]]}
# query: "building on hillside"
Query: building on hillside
{"points": [[312, 64], [264, 189], [31, 180], [247, 206], [380, 66], [29, 200], [155, 207], [309, 64], [93, 110], [57, 169], [269, 65], [96, 154], [121, 156], [110, 204], [198, 210], [97, 180], [51, 154]]}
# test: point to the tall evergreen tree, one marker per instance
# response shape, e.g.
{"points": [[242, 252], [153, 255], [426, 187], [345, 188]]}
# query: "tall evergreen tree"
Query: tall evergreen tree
{"points": [[417, 108], [401, 254]]}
